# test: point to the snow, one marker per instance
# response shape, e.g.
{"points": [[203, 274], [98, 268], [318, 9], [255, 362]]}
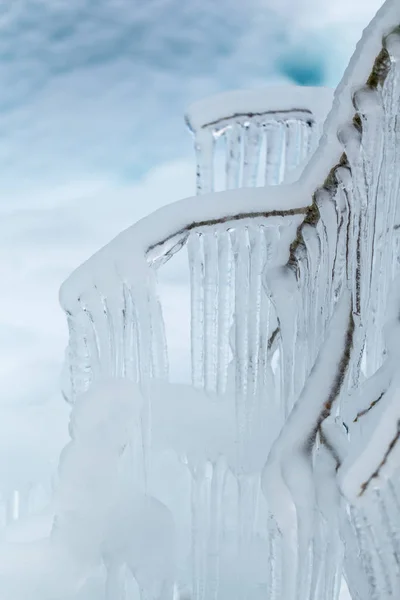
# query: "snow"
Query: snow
{"points": [[161, 481], [169, 221], [268, 134], [278, 100]]}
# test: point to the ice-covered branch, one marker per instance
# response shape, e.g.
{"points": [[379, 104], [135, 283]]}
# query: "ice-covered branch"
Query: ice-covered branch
{"points": [[288, 480], [286, 290], [268, 134]]}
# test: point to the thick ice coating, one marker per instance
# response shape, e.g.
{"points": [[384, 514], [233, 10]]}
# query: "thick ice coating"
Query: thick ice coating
{"points": [[273, 467]]}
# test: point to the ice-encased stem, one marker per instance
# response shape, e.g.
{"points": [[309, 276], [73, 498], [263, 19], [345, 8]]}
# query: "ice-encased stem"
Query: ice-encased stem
{"points": [[196, 266]]}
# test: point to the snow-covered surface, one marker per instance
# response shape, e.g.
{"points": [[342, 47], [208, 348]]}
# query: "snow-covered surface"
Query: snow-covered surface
{"points": [[355, 77], [176, 218], [315, 102], [264, 135]]}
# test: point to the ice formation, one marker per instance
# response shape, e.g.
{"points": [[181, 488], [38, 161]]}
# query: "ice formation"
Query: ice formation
{"points": [[271, 468], [264, 135], [287, 309]]}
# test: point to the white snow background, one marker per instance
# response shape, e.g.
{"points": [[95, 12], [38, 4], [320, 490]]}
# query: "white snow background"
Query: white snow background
{"points": [[92, 138]]}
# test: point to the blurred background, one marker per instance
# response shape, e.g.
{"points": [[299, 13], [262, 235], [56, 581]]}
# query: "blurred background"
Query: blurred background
{"points": [[92, 135]]}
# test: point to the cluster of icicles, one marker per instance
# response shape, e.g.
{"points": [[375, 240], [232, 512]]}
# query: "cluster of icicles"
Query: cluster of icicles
{"points": [[276, 471], [258, 480], [200, 521]]}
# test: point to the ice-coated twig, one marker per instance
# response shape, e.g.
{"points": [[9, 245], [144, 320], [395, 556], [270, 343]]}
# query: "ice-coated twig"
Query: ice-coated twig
{"points": [[279, 127], [335, 239], [287, 479]]}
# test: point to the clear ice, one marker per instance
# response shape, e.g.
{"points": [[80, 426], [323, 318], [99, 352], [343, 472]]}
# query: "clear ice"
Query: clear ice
{"points": [[271, 469]]}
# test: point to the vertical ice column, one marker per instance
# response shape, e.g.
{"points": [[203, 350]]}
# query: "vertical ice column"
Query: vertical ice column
{"points": [[116, 329], [370, 531], [313, 280], [253, 245], [226, 274], [369, 474], [275, 152], [208, 482], [204, 148], [288, 143], [252, 142], [231, 331], [211, 277], [290, 481], [234, 151], [282, 144], [371, 146]]}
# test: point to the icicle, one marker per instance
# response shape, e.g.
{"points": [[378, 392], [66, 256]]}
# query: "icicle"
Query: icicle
{"points": [[234, 137], [79, 369], [214, 534], [200, 525], [158, 344], [91, 337], [225, 306], [131, 338], [241, 243], [252, 136], [282, 286], [275, 158], [204, 147], [256, 305], [307, 140], [275, 561], [196, 266], [289, 466], [364, 552], [293, 147], [327, 548], [386, 541], [210, 318]]}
